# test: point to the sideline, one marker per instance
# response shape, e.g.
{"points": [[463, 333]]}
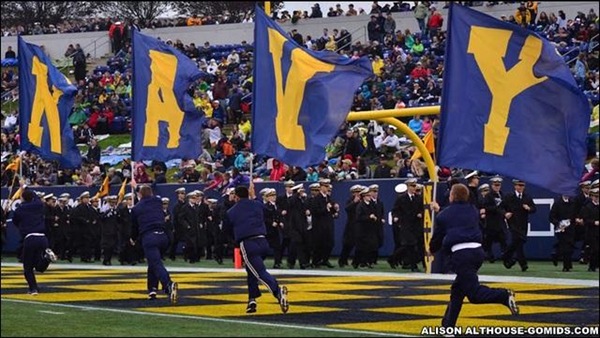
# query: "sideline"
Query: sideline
{"points": [[433, 276]]}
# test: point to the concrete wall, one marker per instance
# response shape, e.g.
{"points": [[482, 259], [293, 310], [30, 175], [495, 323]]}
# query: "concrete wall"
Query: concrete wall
{"points": [[96, 43]]}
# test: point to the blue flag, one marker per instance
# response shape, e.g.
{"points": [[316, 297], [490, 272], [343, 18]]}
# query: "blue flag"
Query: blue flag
{"points": [[45, 100], [166, 125], [510, 105], [301, 97]]}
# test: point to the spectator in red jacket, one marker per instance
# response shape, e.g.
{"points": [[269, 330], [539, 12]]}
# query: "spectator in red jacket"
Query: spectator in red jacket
{"points": [[217, 183], [100, 120], [278, 171], [419, 72], [435, 22]]}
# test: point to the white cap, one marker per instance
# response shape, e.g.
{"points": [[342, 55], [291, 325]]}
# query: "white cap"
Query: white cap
{"points": [[356, 188], [472, 174], [496, 179], [411, 181], [297, 186], [400, 188]]}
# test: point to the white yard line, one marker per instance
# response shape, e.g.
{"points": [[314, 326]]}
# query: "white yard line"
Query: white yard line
{"points": [[434, 276], [51, 312], [211, 319]]}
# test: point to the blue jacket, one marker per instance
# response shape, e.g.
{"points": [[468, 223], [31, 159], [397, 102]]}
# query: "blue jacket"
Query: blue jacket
{"points": [[29, 217], [246, 219], [147, 216], [457, 223]]}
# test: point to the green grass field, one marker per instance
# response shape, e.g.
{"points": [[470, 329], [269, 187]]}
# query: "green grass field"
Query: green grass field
{"points": [[213, 301], [43, 320]]}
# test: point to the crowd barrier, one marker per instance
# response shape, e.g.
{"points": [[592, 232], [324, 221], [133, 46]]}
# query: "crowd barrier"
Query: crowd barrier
{"points": [[538, 246]]}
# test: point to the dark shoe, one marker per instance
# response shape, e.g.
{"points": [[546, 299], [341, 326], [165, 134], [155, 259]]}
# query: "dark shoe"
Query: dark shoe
{"points": [[392, 264], [591, 269], [283, 299], [219, 261], [566, 270], [32, 292], [173, 292], [327, 264], [524, 268], [277, 266], [251, 308], [291, 266], [512, 302], [555, 260], [152, 295], [304, 266], [342, 264], [508, 264]]}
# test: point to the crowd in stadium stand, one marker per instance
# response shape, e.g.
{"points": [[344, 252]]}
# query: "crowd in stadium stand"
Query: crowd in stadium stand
{"points": [[104, 24], [408, 69]]}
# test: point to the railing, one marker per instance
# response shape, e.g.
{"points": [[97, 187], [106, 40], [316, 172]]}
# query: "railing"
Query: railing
{"points": [[93, 43], [354, 37]]}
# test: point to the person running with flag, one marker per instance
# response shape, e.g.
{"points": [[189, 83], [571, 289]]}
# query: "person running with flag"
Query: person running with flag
{"points": [[148, 225], [246, 221], [457, 232], [29, 219]]}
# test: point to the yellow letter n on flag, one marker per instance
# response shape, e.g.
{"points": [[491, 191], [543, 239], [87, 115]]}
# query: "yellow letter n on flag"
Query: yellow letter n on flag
{"points": [[44, 102], [46, 97]]}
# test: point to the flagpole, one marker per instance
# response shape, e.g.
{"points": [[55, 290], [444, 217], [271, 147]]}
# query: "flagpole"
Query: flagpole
{"points": [[20, 166], [251, 166]]}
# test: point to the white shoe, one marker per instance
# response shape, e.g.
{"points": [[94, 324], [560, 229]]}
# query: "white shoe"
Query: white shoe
{"points": [[512, 303], [50, 255], [283, 299], [173, 289]]}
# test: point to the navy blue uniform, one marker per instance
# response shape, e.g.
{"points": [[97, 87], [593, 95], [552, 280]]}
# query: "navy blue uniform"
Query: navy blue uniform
{"points": [[457, 232], [246, 220], [29, 219], [148, 224]]}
